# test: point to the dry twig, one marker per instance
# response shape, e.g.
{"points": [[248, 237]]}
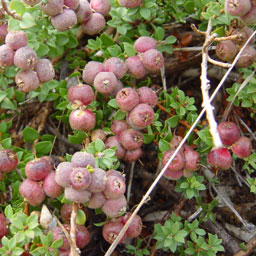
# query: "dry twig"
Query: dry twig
{"points": [[74, 250], [6, 9]]}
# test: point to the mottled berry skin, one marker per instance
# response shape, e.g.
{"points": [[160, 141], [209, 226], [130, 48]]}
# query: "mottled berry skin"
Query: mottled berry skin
{"points": [[142, 116], [8, 160], [59, 234], [177, 163], [65, 212], [152, 60], [52, 7], [115, 187], [175, 142], [82, 236], [229, 132], [242, 148], [118, 126], [3, 32], [114, 207], [247, 57], [145, 43], [116, 66], [51, 187], [101, 6], [115, 173], [147, 95], [32, 191], [82, 159], [192, 159], [64, 252], [111, 230], [3, 226], [81, 94], [250, 17], [226, 50], [96, 200], [99, 180], [238, 7], [27, 80], [127, 99], [77, 196], [131, 139], [129, 3], [6, 56], [50, 160], [132, 155], [91, 69], [63, 172], [80, 178], [82, 119], [25, 58], [64, 21], [94, 25], [220, 158], [114, 141], [44, 70], [173, 175], [98, 134], [135, 67], [16, 39], [84, 11], [31, 2], [135, 227], [37, 169], [243, 35], [105, 82], [72, 4]]}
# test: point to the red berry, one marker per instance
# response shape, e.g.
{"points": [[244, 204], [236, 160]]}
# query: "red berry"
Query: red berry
{"points": [[37, 169], [81, 94], [99, 180], [77, 196], [52, 7], [96, 200], [82, 159], [135, 227], [111, 230], [238, 7], [129, 3], [226, 50], [72, 4], [91, 69], [116, 66], [229, 132], [135, 67], [177, 163], [114, 207], [192, 159], [65, 20], [65, 212], [27, 80], [82, 119], [115, 187], [6, 56], [173, 175], [94, 25], [250, 17], [82, 236], [101, 6], [51, 187], [3, 32], [152, 60], [132, 155], [98, 134], [114, 141], [127, 99], [63, 172], [59, 234], [220, 158], [25, 58], [3, 226], [80, 178], [145, 43], [247, 57], [44, 70], [118, 126], [8, 160], [242, 147], [131, 139], [147, 95], [16, 39]]}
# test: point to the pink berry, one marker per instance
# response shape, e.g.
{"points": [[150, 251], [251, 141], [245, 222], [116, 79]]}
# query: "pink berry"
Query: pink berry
{"points": [[3, 226], [52, 7], [82, 236], [226, 50], [83, 12], [3, 32], [114, 141], [98, 134], [65, 212], [91, 69], [80, 178], [72, 4], [8, 160], [192, 159], [6, 56], [51, 187], [152, 60], [135, 227], [115, 187], [177, 163], [242, 36], [145, 43], [247, 57], [131, 139], [132, 155], [147, 95], [135, 67], [44, 70], [111, 230], [32, 192], [77, 196], [114, 207], [118, 126], [94, 25], [99, 180], [25, 58], [238, 7], [82, 119], [27, 80], [129, 3], [175, 142], [96, 200], [173, 175], [58, 233], [242, 148], [101, 6], [81, 94], [127, 99], [65, 20], [115, 173], [31, 2], [220, 158], [116, 66], [250, 17], [37, 169], [82, 159], [16, 39], [229, 132], [63, 172], [64, 252]]}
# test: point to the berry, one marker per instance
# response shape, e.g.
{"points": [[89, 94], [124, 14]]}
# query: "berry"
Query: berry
{"points": [[96, 200], [145, 43], [51, 187], [65, 212], [37, 169], [135, 227], [82, 236], [238, 7], [250, 17], [244, 34], [129, 3], [8, 160], [114, 141], [82, 119], [77, 196], [50, 160], [65, 20], [63, 172], [64, 252], [242, 148], [220, 158], [142, 116], [116, 66], [3, 32], [192, 158], [152, 60], [114, 207], [131, 139], [52, 7], [6, 56], [247, 57], [105, 82], [173, 175], [59, 234], [32, 192], [119, 86], [31, 2], [147, 95], [91, 69], [94, 25], [111, 230], [3, 227], [226, 50], [80, 178], [127, 99], [177, 163], [115, 187], [101, 6], [81, 94], [84, 11], [175, 142], [44, 70], [115, 173], [135, 67], [132, 155], [25, 58], [118, 126], [27, 80], [82, 159], [72, 4], [98, 134], [99, 180], [16, 39], [229, 132]]}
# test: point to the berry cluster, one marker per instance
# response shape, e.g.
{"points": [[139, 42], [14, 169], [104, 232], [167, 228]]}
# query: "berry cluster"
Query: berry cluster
{"points": [[184, 163], [230, 136], [40, 181], [33, 71], [8, 161]]}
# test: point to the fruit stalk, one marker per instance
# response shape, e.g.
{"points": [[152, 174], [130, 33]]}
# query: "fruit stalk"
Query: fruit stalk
{"points": [[74, 250]]}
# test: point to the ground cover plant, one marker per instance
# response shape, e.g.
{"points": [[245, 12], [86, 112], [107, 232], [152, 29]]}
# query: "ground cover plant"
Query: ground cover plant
{"points": [[127, 127]]}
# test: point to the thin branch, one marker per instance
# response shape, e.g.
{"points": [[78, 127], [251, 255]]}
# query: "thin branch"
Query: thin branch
{"points": [[162, 70], [218, 63], [8, 11], [74, 250], [129, 187], [250, 247], [192, 49]]}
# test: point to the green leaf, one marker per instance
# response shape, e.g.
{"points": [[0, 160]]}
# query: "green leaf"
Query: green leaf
{"points": [[164, 145], [27, 21], [57, 243], [106, 40], [42, 50], [99, 145], [81, 217], [8, 212], [173, 121], [43, 147], [159, 33], [129, 49], [17, 6], [29, 134], [8, 104], [29, 233], [170, 40], [119, 115], [113, 103], [145, 13], [7, 143]]}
